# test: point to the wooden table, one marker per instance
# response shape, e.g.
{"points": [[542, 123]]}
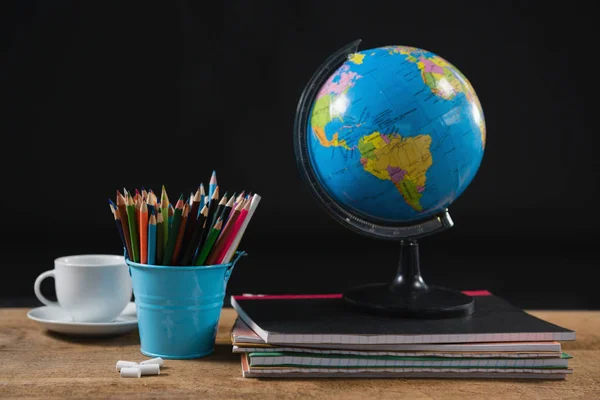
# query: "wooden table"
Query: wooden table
{"points": [[38, 364]]}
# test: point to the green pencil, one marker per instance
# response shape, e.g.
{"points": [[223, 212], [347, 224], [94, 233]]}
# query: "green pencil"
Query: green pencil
{"points": [[164, 207], [210, 241], [133, 231], [159, 238], [168, 257]]}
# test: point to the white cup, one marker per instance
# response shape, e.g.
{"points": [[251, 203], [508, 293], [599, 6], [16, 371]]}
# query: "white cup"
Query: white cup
{"points": [[90, 287]]}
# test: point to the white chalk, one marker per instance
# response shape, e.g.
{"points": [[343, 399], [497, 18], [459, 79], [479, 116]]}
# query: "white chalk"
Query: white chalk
{"points": [[124, 364], [149, 369], [131, 372], [156, 360]]}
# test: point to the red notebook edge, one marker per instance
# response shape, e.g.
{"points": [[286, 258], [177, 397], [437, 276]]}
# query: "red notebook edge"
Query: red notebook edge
{"points": [[250, 296]]}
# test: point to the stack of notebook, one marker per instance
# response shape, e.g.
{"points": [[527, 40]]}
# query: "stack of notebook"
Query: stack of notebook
{"points": [[319, 336]]}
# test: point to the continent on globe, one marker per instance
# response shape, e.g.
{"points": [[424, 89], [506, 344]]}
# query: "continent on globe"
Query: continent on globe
{"points": [[404, 161], [356, 58], [443, 79], [331, 103]]}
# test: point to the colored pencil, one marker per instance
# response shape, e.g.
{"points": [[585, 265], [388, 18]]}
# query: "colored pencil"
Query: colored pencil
{"points": [[115, 212], [164, 205], [189, 228], [152, 239], [192, 245], [202, 198], [159, 237], [171, 214], [212, 207], [236, 229], [212, 185], [226, 232], [122, 207], [112, 204], [151, 202], [173, 233], [138, 207], [236, 241], [144, 194], [210, 241], [136, 197], [180, 235], [240, 197], [143, 228], [227, 210], [219, 209], [133, 231]]}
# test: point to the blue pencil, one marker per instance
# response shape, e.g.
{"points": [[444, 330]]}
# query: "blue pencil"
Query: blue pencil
{"points": [[152, 239], [212, 185], [202, 199]]}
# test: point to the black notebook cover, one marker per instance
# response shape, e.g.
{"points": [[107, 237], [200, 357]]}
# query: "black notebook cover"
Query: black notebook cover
{"points": [[297, 319]]}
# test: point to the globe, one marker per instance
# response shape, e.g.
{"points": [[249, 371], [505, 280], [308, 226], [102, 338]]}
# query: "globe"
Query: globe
{"points": [[387, 139], [394, 134]]}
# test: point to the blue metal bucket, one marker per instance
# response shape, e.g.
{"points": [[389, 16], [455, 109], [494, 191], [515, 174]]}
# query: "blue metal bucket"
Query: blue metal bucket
{"points": [[178, 308]]}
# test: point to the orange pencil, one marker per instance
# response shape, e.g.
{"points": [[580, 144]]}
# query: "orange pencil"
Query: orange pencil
{"points": [[143, 229], [181, 233]]}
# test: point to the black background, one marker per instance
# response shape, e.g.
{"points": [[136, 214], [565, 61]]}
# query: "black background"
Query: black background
{"points": [[102, 95]]}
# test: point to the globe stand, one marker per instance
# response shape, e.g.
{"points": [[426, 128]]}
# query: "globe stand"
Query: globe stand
{"points": [[408, 294]]}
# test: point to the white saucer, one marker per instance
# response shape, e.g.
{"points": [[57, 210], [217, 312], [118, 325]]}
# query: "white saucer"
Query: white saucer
{"points": [[58, 320]]}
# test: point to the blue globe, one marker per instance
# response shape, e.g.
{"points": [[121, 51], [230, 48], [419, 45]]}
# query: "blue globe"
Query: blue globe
{"points": [[395, 134]]}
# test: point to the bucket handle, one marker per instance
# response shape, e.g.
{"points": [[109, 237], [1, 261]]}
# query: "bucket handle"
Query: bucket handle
{"points": [[236, 258]]}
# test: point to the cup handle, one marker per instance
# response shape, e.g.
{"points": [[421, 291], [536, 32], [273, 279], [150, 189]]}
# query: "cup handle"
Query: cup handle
{"points": [[38, 292]]}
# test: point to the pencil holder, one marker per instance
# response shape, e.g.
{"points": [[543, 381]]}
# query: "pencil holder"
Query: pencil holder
{"points": [[178, 308]]}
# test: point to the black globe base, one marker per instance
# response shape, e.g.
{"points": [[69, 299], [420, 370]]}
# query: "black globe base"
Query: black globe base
{"points": [[408, 295], [435, 302]]}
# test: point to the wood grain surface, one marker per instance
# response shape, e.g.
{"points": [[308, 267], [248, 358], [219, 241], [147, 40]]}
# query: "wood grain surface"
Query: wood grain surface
{"points": [[37, 364]]}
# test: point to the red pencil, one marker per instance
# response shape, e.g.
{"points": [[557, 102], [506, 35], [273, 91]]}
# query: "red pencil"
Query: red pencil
{"points": [[143, 229], [236, 229], [226, 233]]}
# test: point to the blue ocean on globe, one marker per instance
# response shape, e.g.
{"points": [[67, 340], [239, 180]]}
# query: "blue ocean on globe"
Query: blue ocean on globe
{"points": [[396, 134]]}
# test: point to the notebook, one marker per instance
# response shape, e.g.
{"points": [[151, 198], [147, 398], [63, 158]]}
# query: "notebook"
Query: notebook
{"points": [[391, 372], [245, 339], [326, 319], [258, 359]]}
